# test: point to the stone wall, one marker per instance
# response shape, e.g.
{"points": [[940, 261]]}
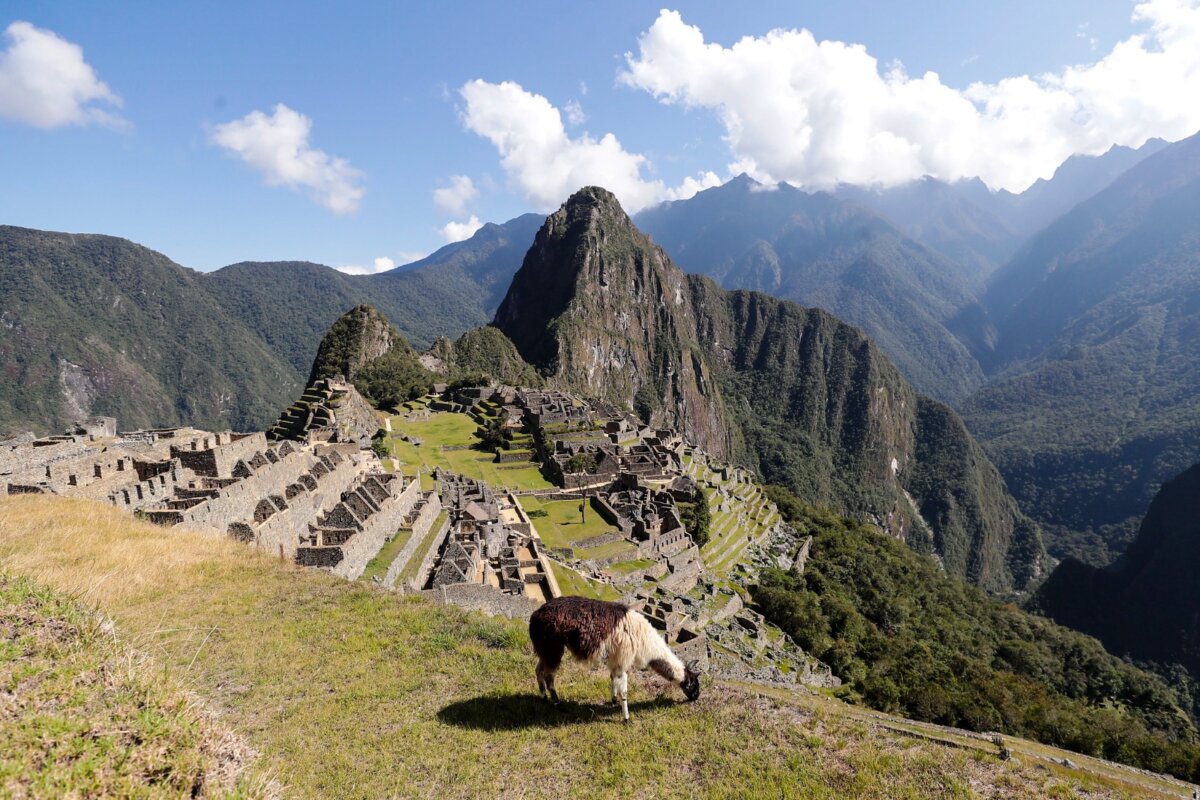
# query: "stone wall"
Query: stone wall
{"points": [[280, 533], [488, 599], [414, 540]]}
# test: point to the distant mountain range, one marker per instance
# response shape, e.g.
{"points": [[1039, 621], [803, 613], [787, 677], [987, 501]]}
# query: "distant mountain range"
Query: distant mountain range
{"points": [[1068, 349], [99, 325], [1096, 372], [820, 250]]}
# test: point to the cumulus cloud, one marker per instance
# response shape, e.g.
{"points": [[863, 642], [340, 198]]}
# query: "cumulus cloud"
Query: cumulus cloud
{"points": [[816, 113], [45, 82], [382, 264], [458, 231], [575, 115], [277, 147], [453, 199], [545, 163]]}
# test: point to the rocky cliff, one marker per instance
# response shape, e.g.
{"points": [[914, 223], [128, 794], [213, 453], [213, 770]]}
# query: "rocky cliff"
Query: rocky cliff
{"points": [[1147, 605], [808, 400]]}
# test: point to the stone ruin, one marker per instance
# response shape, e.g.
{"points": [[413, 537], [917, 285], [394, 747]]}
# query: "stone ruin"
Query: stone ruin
{"points": [[332, 411], [326, 505], [488, 559]]}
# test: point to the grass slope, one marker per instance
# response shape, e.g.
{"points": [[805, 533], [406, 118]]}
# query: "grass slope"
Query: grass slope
{"points": [[82, 716], [350, 691]]}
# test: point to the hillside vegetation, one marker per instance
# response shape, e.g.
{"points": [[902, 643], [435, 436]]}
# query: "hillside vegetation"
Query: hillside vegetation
{"points": [[1144, 605], [907, 638], [1094, 403], [99, 325], [348, 690]]}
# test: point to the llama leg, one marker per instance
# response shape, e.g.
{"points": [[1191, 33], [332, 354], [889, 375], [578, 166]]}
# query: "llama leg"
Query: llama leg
{"points": [[615, 678], [541, 680], [623, 690], [545, 678]]}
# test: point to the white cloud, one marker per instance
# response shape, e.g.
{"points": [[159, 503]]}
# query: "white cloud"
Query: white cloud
{"points": [[816, 113], [277, 146], [45, 82], [381, 264], [575, 115], [453, 199], [457, 231], [546, 164]]}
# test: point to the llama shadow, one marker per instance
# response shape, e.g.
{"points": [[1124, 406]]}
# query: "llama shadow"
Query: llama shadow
{"points": [[516, 711]]}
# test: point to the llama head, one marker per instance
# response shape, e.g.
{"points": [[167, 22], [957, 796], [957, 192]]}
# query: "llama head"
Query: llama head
{"points": [[691, 680]]}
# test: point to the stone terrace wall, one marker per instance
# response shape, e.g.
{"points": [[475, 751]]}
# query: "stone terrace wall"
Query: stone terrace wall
{"points": [[236, 502], [378, 528], [488, 599], [420, 531], [280, 533]]}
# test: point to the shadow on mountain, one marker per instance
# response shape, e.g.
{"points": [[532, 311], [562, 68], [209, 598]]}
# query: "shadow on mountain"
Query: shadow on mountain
{"points": [[512, 712]]}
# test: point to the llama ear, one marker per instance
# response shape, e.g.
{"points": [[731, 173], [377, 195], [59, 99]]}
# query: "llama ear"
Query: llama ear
{"points": [[693, 666]]}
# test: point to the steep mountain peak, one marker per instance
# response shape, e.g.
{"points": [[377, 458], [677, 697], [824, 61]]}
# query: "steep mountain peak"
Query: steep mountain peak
{"points": [[598, 306]]}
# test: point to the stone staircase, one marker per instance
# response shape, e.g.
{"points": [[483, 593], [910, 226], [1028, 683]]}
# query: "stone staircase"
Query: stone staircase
{"points": [[314, 410]]}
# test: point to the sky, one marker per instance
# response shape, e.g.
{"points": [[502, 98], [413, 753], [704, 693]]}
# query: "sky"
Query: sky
{"points": [[365, 136]]}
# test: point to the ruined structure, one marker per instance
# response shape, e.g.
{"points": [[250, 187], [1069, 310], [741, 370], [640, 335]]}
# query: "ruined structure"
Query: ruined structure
{"points": [[324, 505], [489, 558], [330, 410]]}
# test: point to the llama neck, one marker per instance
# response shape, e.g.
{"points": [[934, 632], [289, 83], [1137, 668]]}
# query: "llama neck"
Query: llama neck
{"points": [[666, 663]]}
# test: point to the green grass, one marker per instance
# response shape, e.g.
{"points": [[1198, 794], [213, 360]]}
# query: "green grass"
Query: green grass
{"points": [[572, 582], [84, 716], [414, 562], [445, 429], [562, 526], [378, 566], [626, 567]]}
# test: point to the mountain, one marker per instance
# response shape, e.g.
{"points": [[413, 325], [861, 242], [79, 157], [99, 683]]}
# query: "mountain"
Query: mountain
{"points": [[977, 229], [1093, 403], [1075, 180], [1147, 604], [291, 304], [481, 355], [99, 325], [962, 221], [822, 251], [806, 399]]}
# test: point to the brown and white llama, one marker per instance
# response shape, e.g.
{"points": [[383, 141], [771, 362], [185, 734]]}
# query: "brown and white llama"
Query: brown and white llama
{"points": [[608, 635]]}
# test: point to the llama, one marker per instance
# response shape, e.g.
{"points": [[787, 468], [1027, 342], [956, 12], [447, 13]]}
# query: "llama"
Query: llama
{"points": [[604, 634]]}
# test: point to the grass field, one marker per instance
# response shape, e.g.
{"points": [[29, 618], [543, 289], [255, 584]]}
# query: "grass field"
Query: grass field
{"points": [[378, 566], [348, 690], [444, 429], [572, 582]]}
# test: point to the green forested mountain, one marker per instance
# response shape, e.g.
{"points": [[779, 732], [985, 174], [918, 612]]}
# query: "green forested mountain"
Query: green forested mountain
{"points": [[807, 399], [1094, 401], [1147, 605], [822, 251], [291, 304], [484, 354], [907, 638], [99, 325]]}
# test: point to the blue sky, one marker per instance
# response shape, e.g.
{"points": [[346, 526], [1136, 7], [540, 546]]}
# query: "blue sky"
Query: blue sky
{"points": [[183, 165]]}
